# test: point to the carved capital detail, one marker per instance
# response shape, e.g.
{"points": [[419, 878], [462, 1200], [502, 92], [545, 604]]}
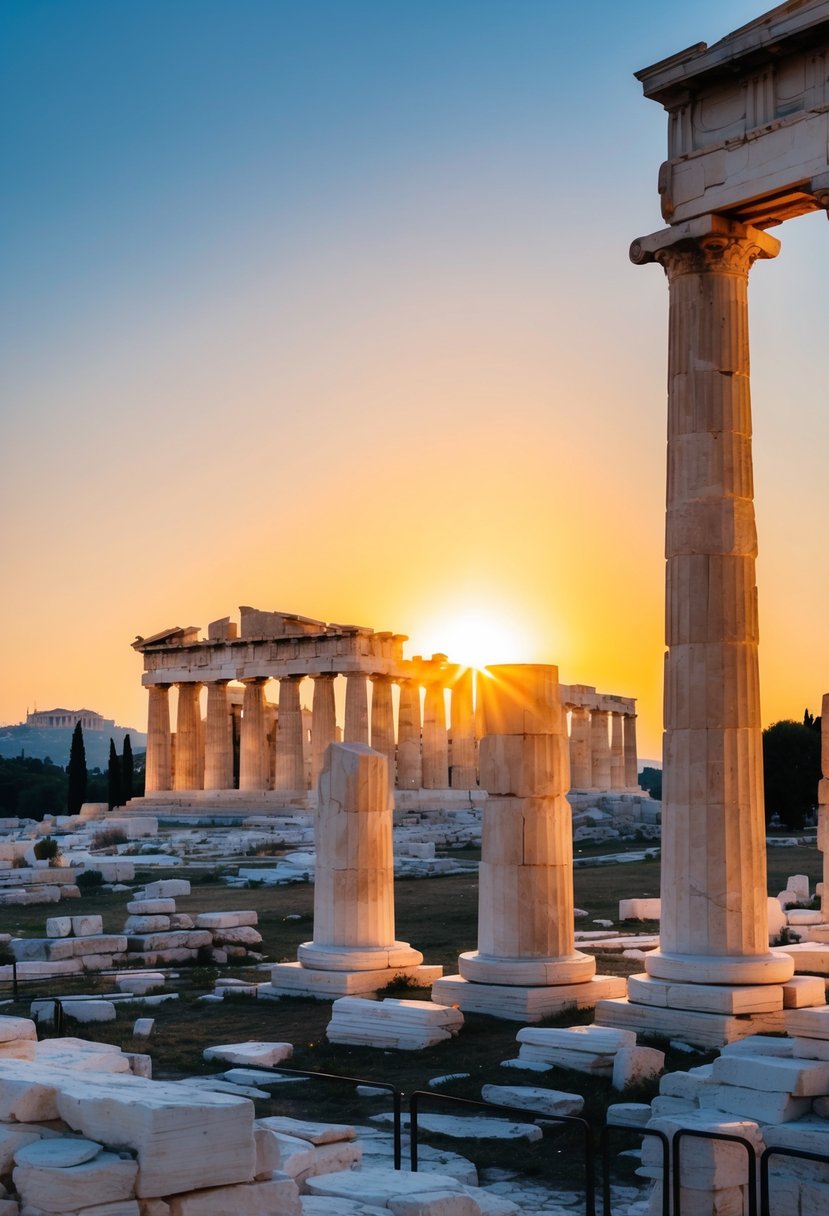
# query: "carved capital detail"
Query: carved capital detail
{"points": [[716, 253]]}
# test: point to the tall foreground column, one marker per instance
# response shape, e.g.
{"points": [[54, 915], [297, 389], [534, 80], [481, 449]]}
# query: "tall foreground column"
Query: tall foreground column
{"points": [[714, 926], [189, 774], [159, 758], [218, 739]]}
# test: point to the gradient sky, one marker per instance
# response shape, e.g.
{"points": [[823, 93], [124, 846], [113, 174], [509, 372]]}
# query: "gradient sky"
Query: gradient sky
{"points": [[326, 307]]}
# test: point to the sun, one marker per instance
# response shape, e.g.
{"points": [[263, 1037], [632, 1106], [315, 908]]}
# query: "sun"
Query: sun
{"points": [[476, 638]]}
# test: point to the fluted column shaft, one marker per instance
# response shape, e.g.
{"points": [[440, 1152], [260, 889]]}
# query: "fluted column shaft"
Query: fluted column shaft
{"points": [[409, 770], [599, 750], [462, 761], [631, 757], [355, 727], [525, 905], [189, 769], [435, 756], [218, 739], [713, 831], [581, 770], [289, 773], [323, 722], [159, 758], [254, 759], [617, 753], [382, 723]]}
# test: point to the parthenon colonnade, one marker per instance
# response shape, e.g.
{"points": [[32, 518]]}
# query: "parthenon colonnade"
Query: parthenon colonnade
{"points": [[254, 721]]}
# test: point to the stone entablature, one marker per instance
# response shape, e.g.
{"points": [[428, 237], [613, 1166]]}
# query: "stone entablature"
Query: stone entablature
{"points": [[748, 120]]}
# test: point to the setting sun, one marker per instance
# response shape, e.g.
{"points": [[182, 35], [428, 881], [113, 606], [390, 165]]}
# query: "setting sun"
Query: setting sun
{"points": [[478, 638]]}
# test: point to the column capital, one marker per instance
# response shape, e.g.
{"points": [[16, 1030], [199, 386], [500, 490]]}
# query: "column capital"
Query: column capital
{"points": [[708, 244]]}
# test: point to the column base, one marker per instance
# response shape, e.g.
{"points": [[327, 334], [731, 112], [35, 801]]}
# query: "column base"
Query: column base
{"points": [[772, 968], [705, 998], [292, 979], [575, 968], [358, 958], [517, 1003]]}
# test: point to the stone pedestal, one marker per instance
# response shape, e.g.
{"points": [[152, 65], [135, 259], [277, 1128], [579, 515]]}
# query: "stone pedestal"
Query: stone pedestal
{"points": [[526, 964], [353, 951], [254, 767], [159, 757], [714, 925], [409, 771], [289, 770], [189, 758], [218, 740], [462, 773]]}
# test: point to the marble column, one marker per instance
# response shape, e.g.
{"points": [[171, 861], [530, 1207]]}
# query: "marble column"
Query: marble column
{"points": [[714, 926], [526, 966], [382, 724], [617, 753], [218, 739], [409, 771], [581, 771], [159, 760], [189, 772], [323, 722], [599, 750], [435, 754], [254, 759], [289, 772], [353, 950], [631, 757], [462, 770], [355, 727]]}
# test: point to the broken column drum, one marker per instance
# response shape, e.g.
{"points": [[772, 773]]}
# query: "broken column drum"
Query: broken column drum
{"points": [[525, 906]]}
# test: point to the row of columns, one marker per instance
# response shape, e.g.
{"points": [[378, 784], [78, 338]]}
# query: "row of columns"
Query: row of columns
{"points": [[599, 761], [418, 758]]}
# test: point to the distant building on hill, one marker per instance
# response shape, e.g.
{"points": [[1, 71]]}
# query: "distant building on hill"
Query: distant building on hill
{"points": [[55, 719], [48, 733]]}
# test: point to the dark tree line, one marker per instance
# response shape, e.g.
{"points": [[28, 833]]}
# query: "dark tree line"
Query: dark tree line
{"points": [[791, 769]]}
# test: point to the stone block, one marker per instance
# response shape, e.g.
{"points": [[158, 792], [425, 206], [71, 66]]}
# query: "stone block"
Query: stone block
{"points": [[226, 920], [252, 1053], [87, 926], [151, 907], [808, 1023], [12, 1028], [106, 1179], [799, 1077], [146, 924], [524, 765], [705, 1165], [533, 1098], [279, 1194], [640, 909], [166, 887], [801, 991], [632, 1065], [768, 1107], [58, 926], [705, 998]]}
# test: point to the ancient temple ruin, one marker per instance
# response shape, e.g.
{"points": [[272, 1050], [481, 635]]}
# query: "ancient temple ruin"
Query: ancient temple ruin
{"points": [[252, 749]]}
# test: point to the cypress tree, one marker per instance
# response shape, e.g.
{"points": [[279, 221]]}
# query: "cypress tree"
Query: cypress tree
{"points": [[113, 777], [127, 770], [76, 792]]}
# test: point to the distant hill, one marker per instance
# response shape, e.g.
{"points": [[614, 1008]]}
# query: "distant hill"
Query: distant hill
{"points": [[54, 742]]}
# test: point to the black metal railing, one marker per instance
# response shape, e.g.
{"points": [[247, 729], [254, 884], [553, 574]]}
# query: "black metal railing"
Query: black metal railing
{"points": [[523, 1115], [694, 1133], [604, 1153], [774, 1150]]}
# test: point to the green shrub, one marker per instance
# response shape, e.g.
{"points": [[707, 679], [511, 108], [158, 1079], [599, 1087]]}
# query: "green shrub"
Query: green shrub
{"points": [[89, 881], [46, 849]]}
